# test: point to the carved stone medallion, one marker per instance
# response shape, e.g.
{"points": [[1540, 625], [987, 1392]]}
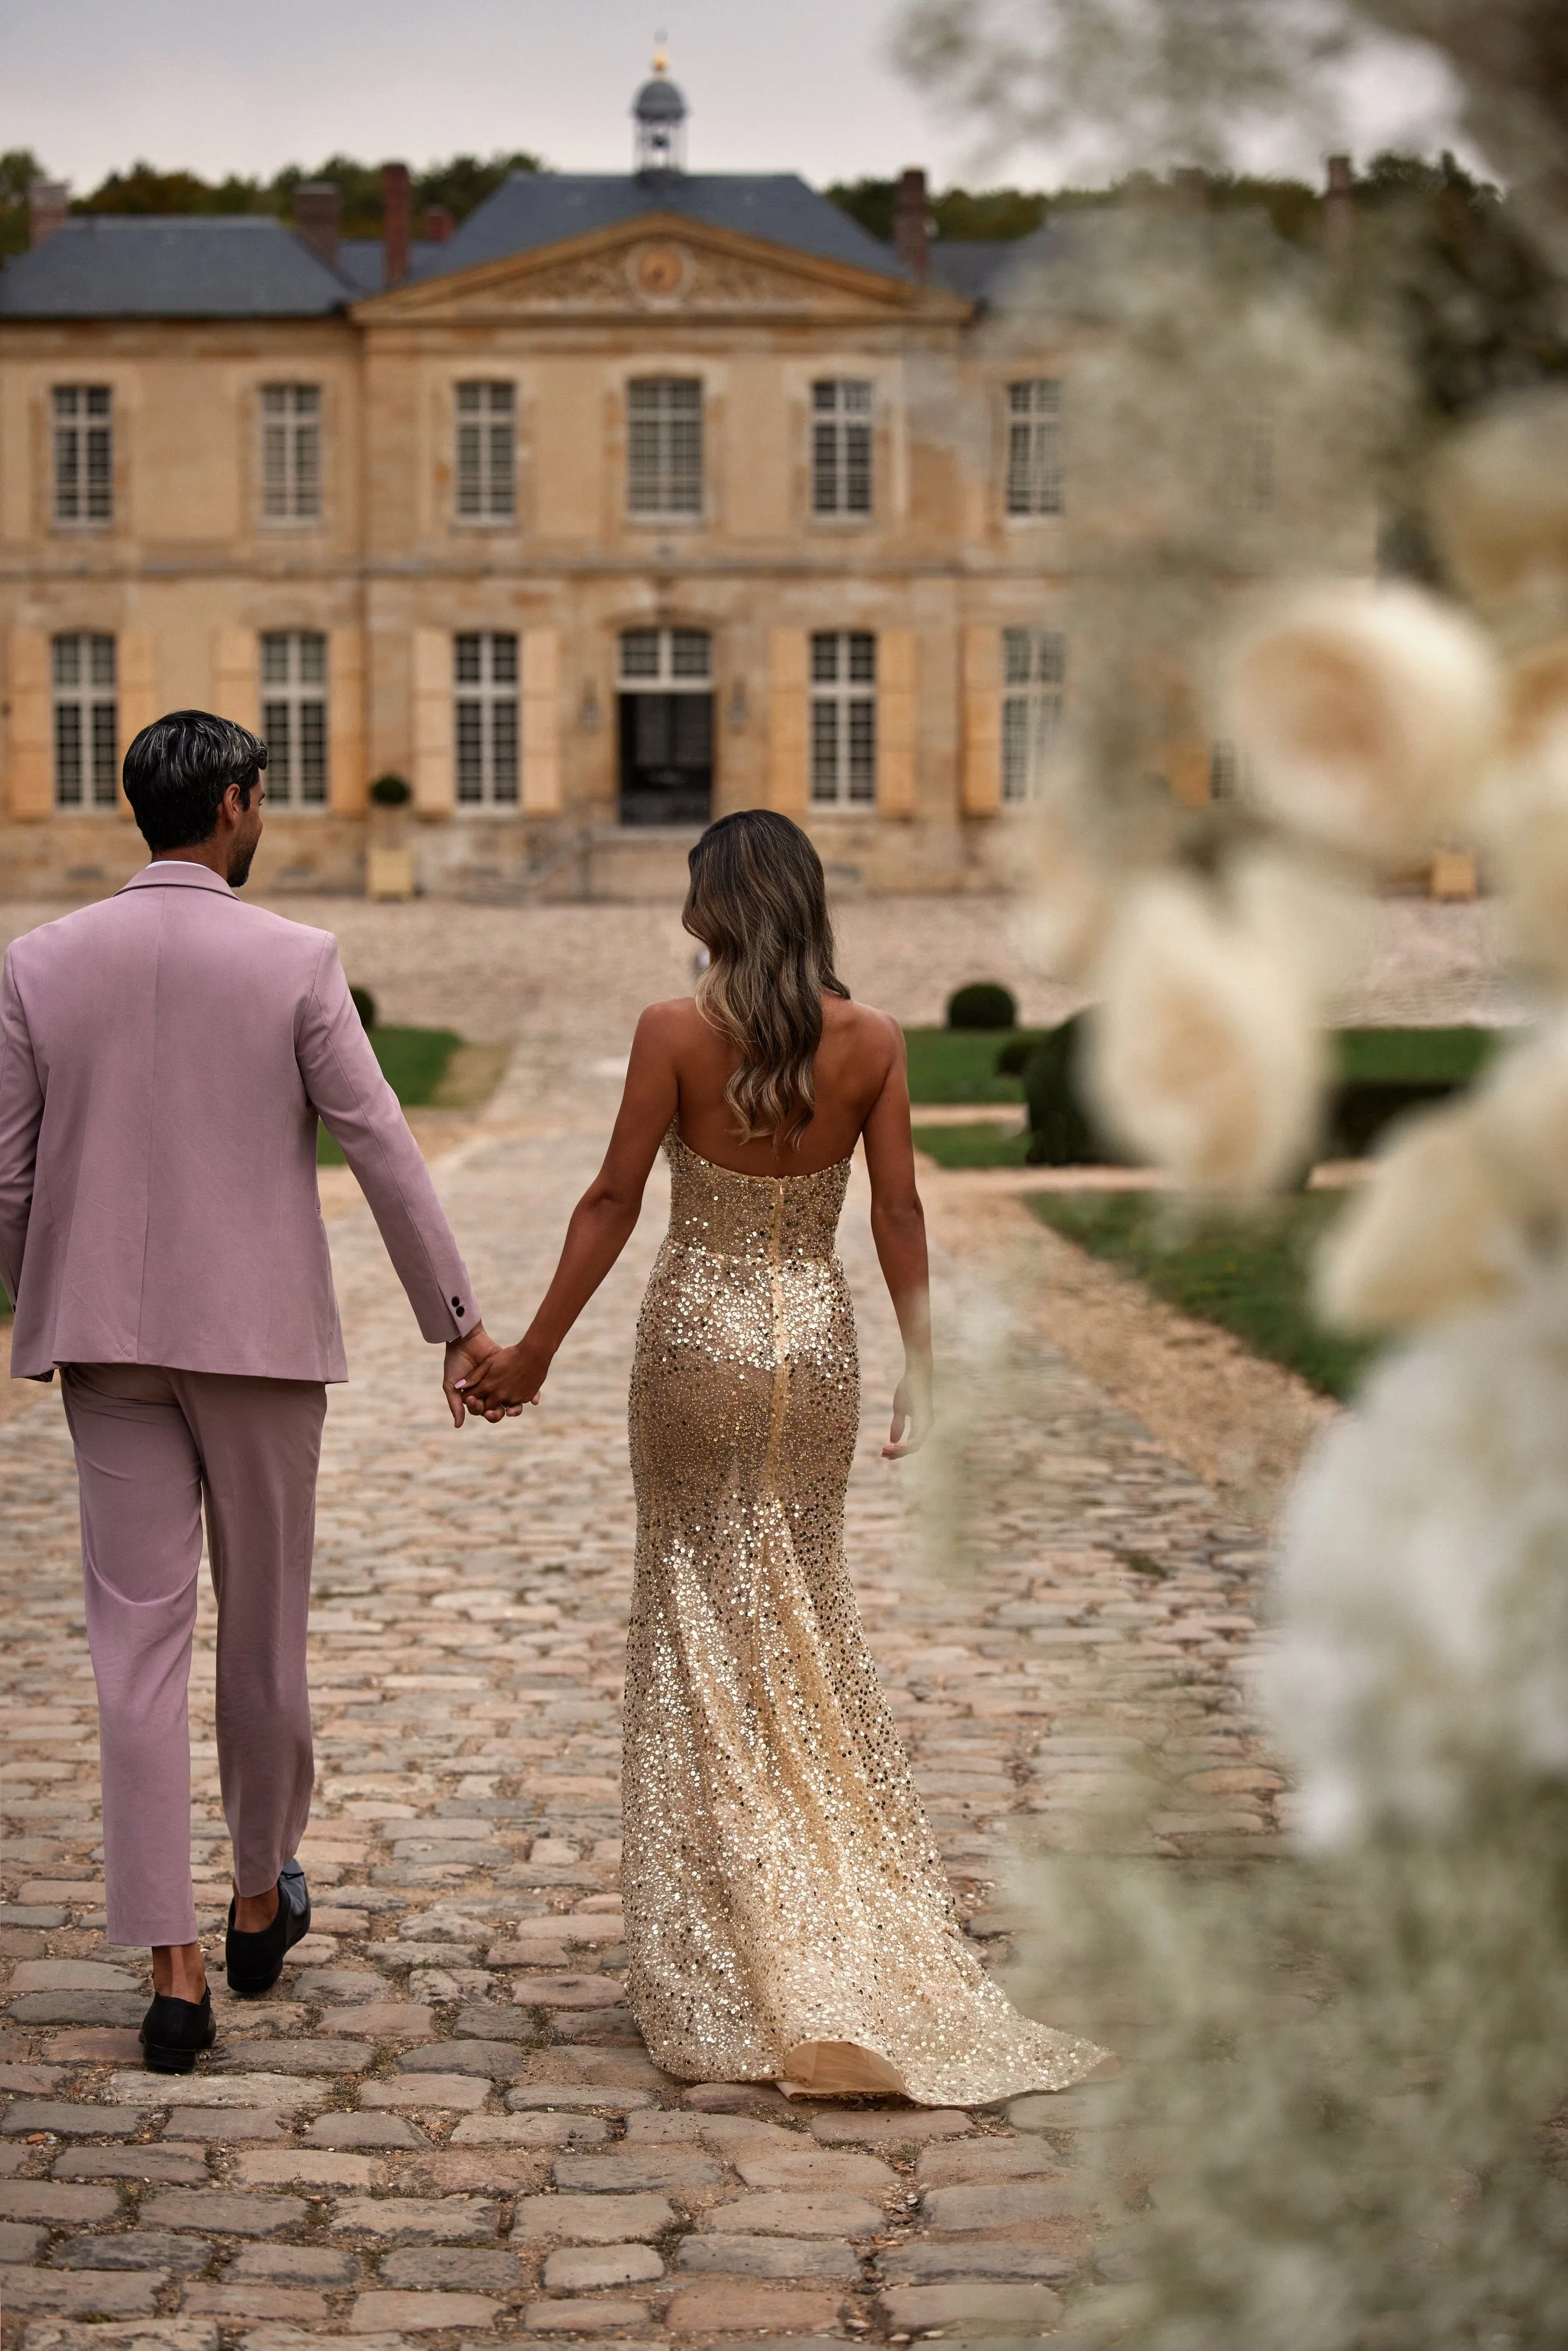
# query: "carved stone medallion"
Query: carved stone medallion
{"points": [[660, 272]]}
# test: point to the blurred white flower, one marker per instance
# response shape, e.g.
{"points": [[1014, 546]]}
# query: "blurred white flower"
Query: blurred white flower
{"points": [[1469, 1203], [1523, 816], [1432, 1234], [1424, 1643], [1500, 504], [1303, 912], [1068, 902], [1367, 717], [1204, 1056]]}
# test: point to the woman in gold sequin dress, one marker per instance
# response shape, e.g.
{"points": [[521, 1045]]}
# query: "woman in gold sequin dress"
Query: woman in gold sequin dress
{"points": [[787, 1915]]}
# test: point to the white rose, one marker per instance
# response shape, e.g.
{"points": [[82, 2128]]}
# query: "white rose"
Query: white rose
{"points": [[1423, 1634], [1204, 1056], [1500, 504], [1366, 718], [1432, 1234]]}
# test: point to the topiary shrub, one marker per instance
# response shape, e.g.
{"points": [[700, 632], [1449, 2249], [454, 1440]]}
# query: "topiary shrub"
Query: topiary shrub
{"points": [[1061, 1133], [1013, 1053], [364, 1004], [391, 791], [984, 1004]]}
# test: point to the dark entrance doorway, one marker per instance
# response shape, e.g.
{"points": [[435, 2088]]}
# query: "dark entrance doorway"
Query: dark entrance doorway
{"points": [[666, 727]]}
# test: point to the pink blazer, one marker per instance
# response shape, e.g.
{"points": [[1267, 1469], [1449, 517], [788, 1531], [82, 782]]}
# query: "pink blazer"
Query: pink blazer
{"points": [[164, 1056]]}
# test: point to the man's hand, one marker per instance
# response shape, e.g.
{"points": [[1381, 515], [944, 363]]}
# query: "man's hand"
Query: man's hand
{"points": [[463, 1359]]}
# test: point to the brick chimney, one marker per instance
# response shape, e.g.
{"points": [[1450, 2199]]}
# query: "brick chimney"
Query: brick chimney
{"points": [[317, 218], [48, 208], [1189, 188], [436, 224], [911, 224], [397, 221], [1339, 210]]}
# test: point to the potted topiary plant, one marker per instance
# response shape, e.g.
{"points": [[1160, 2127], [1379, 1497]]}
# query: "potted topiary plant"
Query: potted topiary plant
{"points": [[389, 866]]}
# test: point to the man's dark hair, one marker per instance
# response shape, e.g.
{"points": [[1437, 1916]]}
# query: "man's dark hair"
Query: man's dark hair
{"points": [[178, 769]]}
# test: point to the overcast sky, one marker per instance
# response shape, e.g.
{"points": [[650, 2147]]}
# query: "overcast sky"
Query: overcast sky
{"points": [[780, 85]]}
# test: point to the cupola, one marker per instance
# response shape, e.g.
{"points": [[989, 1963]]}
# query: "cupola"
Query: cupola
{"points": [[659, 112]]}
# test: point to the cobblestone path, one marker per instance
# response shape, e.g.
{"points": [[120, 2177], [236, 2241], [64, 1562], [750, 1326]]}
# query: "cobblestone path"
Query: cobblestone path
{"points": [[443, 2120]]}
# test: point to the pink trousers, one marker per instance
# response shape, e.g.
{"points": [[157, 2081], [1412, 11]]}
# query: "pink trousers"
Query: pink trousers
{"points": [[151, 1447]]}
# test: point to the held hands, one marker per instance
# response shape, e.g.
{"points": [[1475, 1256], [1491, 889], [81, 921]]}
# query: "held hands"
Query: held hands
{"points": [[502, 1380], [912, 1413]]}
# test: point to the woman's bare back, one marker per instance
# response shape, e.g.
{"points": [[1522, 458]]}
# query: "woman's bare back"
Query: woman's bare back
{"points": [[860, 1051]]}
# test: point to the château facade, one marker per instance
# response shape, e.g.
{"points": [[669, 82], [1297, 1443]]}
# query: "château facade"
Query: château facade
{"points": [[637, 499]]}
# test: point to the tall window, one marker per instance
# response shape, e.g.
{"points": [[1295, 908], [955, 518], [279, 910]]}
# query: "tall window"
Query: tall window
{"points": [[843, 718], [664, 446], [294, 716], [85, 722], [841, 447], [290, 452], [1034, 447], [485, 670], [487, 469], [1034, 671], [84, 454]]}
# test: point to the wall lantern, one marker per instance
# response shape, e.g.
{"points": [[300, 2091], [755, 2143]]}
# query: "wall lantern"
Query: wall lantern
{"points": [[587, 718], [737, 707]]}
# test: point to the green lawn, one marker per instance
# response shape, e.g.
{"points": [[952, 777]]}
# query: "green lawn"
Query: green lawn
{"points": [[1252, 1277], [413, 1062], [973, 1146], [1412, 1057], [959, 1065]]}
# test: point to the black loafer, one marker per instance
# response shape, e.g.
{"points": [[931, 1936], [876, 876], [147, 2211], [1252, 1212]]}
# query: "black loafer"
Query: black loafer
{"points": [[253, 1964], [175, 2031]]}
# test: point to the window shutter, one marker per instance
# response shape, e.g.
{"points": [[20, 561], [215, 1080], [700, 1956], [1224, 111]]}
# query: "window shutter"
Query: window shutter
{"points": [[346, 777], [29, 754], [233, 676], [895, 722], [541, 723], [136, 691], [787, 719], [982, 722], [432, 783]]}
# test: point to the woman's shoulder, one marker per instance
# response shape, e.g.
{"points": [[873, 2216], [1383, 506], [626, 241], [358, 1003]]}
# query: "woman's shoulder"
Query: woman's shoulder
{"points": [[862, 1029]]}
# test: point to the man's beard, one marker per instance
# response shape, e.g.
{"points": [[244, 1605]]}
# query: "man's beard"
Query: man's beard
{"points": [[240, 864]]}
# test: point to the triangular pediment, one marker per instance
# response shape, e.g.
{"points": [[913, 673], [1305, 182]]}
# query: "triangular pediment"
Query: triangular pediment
{"points": [[660, 266]]}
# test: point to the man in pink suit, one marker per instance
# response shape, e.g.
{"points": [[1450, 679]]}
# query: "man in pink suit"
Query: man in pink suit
{"points": [[164, 1057]]}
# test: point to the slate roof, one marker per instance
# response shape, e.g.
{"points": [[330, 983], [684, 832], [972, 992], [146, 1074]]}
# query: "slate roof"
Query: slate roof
{"points": [[967, 266], [184, 266], [532, 209], [252, 265]]}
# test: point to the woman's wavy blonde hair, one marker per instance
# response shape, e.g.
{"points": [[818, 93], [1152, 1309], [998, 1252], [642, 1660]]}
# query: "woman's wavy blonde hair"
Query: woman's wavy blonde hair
{"points": [[758, 903]]}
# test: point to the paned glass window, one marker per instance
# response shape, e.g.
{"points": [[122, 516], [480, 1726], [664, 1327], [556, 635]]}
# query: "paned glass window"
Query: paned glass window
{"points": [[664, 447], [484, 667], [1034, 673], [294, 716], [84, 454], [1034, 447], [841, 447], [843, 718], [658, 659], [486, 454], [87, 771], [291, 452]]}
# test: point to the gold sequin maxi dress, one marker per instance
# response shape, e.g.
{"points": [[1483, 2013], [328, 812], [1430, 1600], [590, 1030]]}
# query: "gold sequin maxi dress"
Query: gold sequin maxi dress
{"points": [[787, 1915]]}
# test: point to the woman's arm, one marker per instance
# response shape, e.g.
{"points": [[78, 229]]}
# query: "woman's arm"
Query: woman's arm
{"points": [[600, 1224], [898, 1228]]}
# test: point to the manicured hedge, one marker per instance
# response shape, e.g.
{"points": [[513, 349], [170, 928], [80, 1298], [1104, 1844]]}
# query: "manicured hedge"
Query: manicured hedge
{"points": [[1383, 1074]]}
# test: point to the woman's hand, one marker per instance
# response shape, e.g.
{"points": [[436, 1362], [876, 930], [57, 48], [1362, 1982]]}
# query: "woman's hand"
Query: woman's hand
{"points": [[498, 1388], [912, 1413]]}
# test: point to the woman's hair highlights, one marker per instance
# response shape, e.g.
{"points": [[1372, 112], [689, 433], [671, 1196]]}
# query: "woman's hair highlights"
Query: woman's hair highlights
{"points": [[758, 903]]}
